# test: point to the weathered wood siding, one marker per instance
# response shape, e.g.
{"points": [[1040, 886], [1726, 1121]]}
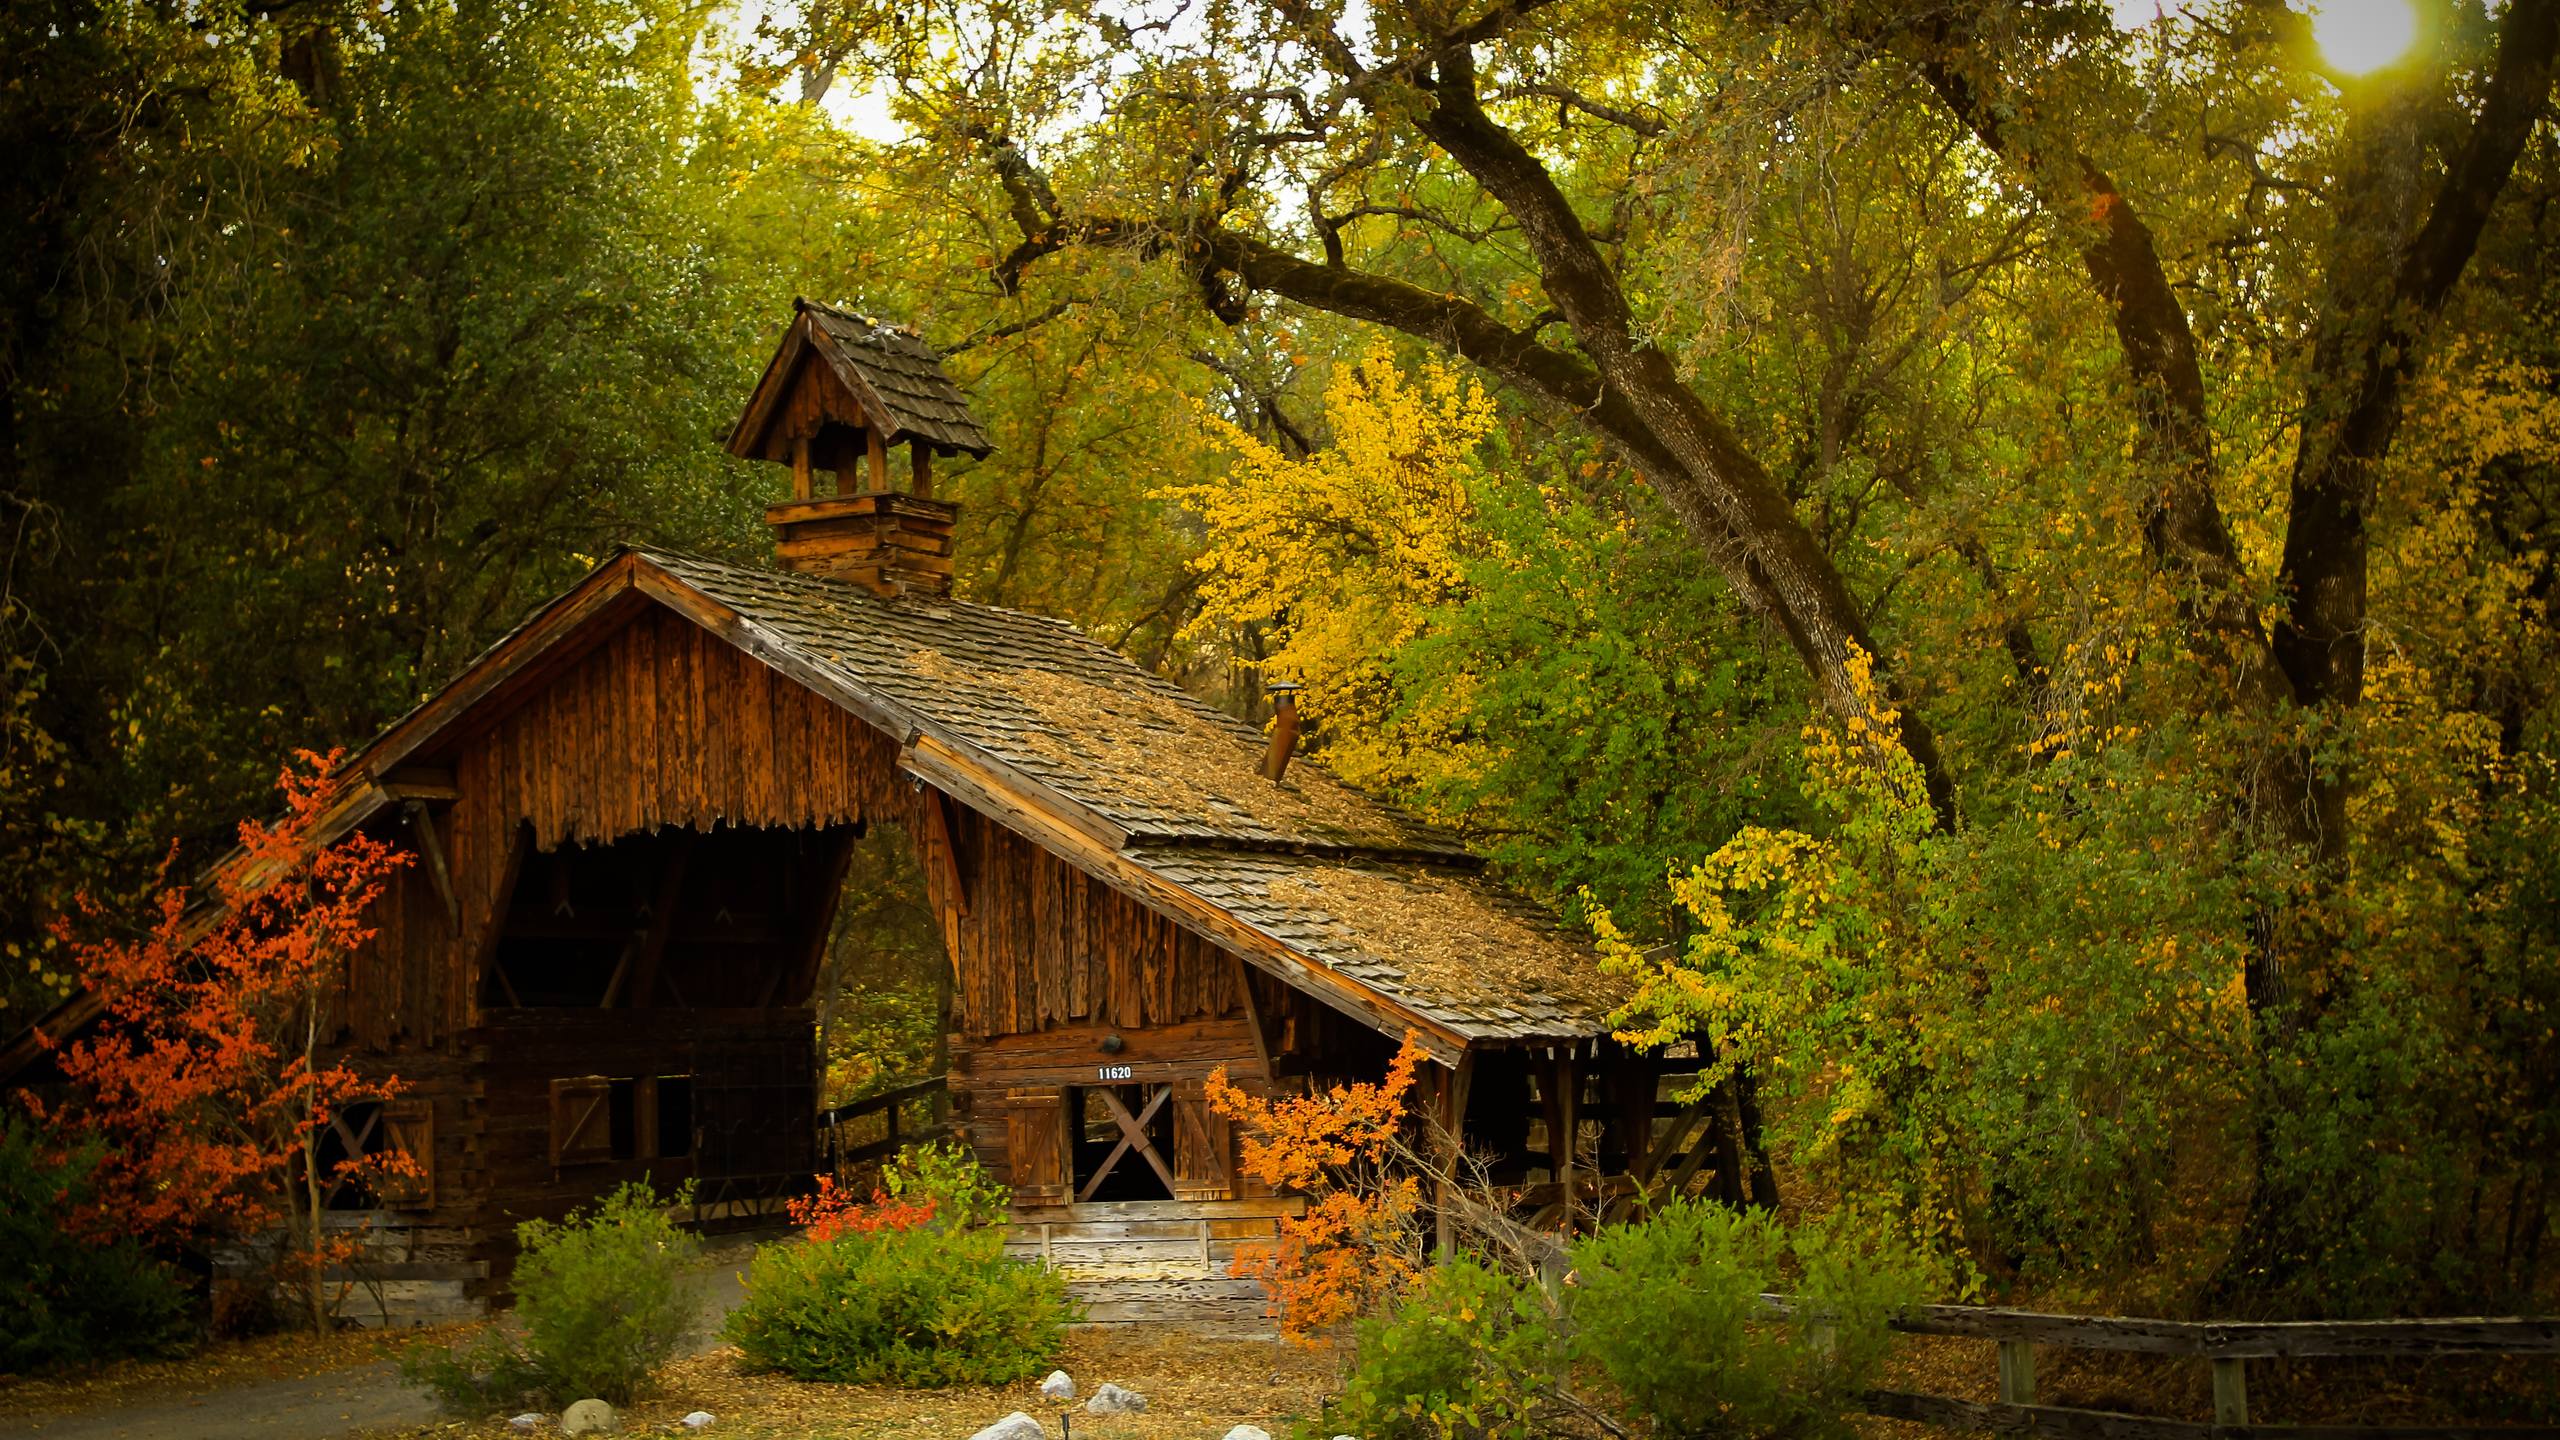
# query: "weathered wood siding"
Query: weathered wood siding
{"points": [[754, 1100], [658, 723], [1043, 944], [396, 994], [661, 724]]}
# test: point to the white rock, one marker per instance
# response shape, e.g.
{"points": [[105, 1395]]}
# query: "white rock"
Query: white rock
{"points": [[1113, 1400], [1060, 1386], [697, 1419], [1016, 1426], [529, 1420], [587, 1417], [1248, 1432]]}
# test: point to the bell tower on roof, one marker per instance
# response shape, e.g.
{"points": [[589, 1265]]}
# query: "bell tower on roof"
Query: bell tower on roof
{"points": [[840, 393]]}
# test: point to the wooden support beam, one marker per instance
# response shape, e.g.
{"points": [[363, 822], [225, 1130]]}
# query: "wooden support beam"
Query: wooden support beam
{"points": [[1453, 1123], [431, 852], [484, 946], [1253, 1019], [421, 782], [1454, 1117], [800, 484], [1682, 1122], [644, 1117], [876, 456], [812, 956], [2230, 1390], [1701, 1145], [942, 814], [652, 947], [922, 473], [1562, 1084]]}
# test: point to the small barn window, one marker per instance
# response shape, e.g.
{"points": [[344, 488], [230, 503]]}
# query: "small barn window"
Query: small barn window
{"points": [[600, 1117], [367, 1129], [581, 1120]]}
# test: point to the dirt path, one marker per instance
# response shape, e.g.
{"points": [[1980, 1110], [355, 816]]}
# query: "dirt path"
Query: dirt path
{"points": [[349, 1399], [370, 1397]]}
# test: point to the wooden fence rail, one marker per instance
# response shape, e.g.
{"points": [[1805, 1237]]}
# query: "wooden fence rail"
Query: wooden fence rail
{"points": [[2228, 1346], [890, 1103]]}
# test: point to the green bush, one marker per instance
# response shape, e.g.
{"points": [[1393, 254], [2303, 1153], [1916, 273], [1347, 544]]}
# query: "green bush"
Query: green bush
{"points": [[1668, 1310], [1470, 1352], [63, 1301], [932, 1305], [947, 1174], [603, 1298]]}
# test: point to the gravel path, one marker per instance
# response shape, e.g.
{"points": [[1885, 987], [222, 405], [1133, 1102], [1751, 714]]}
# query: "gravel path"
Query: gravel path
{"points": [[317, 1407]]}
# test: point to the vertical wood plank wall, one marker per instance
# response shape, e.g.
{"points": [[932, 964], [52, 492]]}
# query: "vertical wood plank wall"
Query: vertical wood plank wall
{"points": [[661, 723]]}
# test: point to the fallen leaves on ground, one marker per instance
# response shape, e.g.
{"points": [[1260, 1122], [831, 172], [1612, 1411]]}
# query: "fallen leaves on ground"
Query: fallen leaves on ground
{"points": [[1195, 1385]]}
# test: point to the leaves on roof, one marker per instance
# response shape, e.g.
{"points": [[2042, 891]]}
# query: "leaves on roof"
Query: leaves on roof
{"points": [[1178, 755], [1451, 937]]}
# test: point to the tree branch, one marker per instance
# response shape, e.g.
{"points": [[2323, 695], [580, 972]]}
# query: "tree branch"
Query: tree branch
{"points": [[1571, 99], [2182, 522], [2368, 341], [1723, 495]]}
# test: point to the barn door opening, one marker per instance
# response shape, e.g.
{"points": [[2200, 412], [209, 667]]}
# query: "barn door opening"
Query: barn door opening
{"points": [[734, 918], [883, 995], [1124, 1147]]}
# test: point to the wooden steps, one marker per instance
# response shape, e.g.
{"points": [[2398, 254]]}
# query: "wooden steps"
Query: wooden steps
{"points": [[1155, 1262]]}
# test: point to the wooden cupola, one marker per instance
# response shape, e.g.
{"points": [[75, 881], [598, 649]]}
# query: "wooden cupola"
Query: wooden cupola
{"points": [[840, 392]]}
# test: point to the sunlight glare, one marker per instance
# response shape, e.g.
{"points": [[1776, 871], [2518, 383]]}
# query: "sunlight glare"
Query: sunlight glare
{"points": [[2362, 36]]}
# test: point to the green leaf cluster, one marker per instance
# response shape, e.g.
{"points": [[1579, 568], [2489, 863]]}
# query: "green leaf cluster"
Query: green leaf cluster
{"points": [[603, 1298], [65, 1299], [1665, 1325], [934, 1306]]}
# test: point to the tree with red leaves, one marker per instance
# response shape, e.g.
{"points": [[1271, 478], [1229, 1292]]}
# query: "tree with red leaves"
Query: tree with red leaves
{"points": [[1355, 1248], [203, 1079]]}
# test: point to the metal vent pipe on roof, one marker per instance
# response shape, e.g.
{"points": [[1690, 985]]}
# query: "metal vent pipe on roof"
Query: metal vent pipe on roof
{"points": [[1284, 732]]}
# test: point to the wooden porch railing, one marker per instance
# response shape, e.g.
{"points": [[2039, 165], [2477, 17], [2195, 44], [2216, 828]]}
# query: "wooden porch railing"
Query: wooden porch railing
{"points": [[841, 1152], [2227, 1346]]}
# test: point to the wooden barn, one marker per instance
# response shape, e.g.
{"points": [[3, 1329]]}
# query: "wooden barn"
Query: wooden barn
{"points": [[633, 818]]}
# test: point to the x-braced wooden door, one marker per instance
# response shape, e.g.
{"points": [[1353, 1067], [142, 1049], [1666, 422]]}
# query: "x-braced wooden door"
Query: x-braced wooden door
{"points": [[1133, 1127]]}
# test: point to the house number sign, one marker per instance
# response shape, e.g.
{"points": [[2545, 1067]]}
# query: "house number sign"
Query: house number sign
{"points": [[1113, 1072]]}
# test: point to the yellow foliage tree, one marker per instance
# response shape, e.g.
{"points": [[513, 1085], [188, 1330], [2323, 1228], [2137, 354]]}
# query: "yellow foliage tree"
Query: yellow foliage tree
{"points": [[1338, 557]]}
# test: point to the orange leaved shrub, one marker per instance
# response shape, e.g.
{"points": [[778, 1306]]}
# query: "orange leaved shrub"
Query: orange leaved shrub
{"points": [[1356, 1247]]}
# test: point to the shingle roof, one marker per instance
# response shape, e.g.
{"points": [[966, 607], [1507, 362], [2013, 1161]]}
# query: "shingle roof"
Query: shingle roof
{"points": [[1054, 704], [1342, 880], [1442, 942], [1332, 877], [903, 372]]}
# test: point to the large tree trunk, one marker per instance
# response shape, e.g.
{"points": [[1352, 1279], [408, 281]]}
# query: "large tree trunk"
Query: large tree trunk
{"points": [[2388, 279]]}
